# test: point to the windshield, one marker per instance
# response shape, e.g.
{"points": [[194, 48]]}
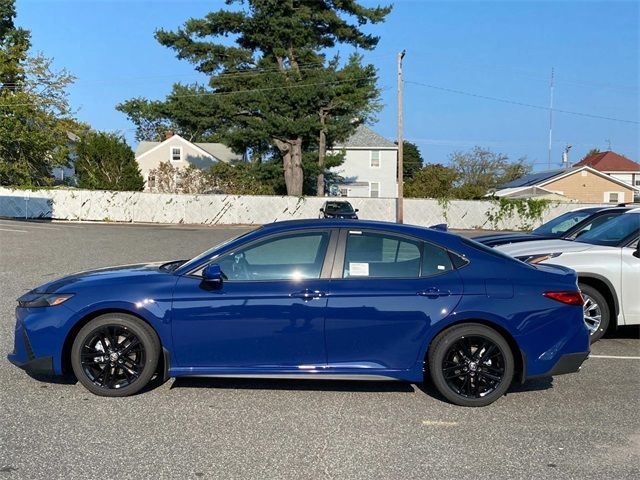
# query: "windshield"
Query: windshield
{"points": [[560, 225], [614, 231], [338, 207], [197, 259]]}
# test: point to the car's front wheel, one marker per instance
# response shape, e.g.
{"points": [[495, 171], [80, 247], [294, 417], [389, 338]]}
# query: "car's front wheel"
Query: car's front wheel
{"points": [[471, 364], [596, 311], [115, 355]]}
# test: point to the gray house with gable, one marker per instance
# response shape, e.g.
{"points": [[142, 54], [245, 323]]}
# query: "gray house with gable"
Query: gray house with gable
{"points": [[370, 167]]}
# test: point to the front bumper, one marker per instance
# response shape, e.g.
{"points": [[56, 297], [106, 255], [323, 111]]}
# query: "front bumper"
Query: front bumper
{"points": [[23, 356], [36, 366]]}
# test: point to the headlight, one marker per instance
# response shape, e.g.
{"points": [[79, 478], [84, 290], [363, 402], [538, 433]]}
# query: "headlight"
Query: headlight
{"points": [[538, 257], [34, 300]]}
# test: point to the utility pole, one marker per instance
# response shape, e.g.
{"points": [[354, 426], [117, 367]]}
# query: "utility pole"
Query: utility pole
{"points": [[400, 199], [550, 117]]}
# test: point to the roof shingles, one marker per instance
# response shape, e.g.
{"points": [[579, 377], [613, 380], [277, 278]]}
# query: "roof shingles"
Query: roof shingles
{"points": [[609, 162]]}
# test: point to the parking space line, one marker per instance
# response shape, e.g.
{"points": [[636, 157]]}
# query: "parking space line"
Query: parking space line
{"points": [[615, 357], [11, 230], [28, 225]]}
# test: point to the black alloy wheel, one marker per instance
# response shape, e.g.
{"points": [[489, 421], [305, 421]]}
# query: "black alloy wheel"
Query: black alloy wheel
{"points": [[471, 365], [115, 355]]}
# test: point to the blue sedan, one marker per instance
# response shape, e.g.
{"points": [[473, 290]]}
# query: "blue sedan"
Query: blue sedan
{"points": [[324, 299]]}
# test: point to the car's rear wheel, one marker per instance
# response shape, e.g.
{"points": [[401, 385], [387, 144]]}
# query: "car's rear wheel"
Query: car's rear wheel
{"points": [[115, 355], [471, 365], [596, 312]]}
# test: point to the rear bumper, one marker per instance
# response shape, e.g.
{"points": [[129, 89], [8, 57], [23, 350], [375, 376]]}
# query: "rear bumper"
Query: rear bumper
{"points": [[569, 363]]}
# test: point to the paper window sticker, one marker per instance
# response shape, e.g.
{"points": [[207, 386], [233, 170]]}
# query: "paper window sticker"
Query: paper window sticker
{"points": [[358, 269]]}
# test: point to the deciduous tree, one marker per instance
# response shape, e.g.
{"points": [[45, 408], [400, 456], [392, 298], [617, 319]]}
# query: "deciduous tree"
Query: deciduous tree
{"points": [[35, 117], [431, 181]]}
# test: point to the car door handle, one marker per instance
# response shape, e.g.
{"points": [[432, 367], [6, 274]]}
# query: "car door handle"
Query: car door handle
{"points": [[308, 294], [434, 293]]}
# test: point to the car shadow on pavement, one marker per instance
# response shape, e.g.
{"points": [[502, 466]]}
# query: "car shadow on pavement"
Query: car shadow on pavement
{"points": [[67, 379], [294, 385], [517, 387]]}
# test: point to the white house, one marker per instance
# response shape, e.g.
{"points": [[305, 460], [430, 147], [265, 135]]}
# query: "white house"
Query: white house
{"points": [[614, 165], [180, 153], [370, 165]]}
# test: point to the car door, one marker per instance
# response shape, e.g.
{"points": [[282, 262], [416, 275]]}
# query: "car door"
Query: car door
{"points": [[389, 291], [268, 311], [629, 277]]}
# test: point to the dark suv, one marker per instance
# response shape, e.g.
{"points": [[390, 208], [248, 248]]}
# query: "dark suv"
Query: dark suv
{"points": [[567, 226], [338, 209]]}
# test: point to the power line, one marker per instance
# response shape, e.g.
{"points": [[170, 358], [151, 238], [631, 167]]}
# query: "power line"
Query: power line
{"points": [[250, 90], [519, 103], [252, 72]]}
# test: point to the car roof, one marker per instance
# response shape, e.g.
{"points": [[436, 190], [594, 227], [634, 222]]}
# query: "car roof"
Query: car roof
{"points": [[613, 208], [355, 224]]}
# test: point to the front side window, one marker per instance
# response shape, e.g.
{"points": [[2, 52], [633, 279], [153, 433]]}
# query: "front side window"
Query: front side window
{"points": [[595, 223], [614, 231], [381, 255], [559, 225], [290, 257]]}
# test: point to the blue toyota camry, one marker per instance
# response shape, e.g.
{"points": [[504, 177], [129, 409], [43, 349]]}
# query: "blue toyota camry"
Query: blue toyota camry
{"points": [[313, 299]]}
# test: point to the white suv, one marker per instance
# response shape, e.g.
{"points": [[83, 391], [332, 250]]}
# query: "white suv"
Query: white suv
{"points": [[607, 260]]}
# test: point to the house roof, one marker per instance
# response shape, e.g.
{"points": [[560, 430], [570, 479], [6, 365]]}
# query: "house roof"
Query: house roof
{"points": [[364, 137], [540, 179], [532, 179], [609, 162], [217, 150]]}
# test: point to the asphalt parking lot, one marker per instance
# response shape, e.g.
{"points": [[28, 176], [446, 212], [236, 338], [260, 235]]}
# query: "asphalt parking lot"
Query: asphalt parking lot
{"points": [[585, 425]]}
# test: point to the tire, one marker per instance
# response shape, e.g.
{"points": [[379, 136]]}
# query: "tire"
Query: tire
{"points": [[471, 365], [595, 305], [128, 362]]}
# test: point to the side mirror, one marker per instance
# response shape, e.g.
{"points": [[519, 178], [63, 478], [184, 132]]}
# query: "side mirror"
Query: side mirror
{"points": [[357, 210], [212, 274], [637, 252], [322, 210]]}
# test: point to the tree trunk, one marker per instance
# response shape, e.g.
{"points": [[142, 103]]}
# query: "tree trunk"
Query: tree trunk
{"points": [[322, 154], [291, 151]]}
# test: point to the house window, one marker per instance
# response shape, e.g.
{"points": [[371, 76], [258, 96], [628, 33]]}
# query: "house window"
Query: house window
{"points": [[176, 154], [374, 189], [637, 183], [614, 197], [151, 181], [375, 158], [344, 192]]}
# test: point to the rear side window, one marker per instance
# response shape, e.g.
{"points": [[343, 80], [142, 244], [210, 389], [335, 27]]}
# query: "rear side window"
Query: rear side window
{"points": [[381, 255], [435, 260]]}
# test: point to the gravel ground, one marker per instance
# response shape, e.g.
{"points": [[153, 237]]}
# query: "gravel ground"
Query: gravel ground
{"points": [[585, 425]]}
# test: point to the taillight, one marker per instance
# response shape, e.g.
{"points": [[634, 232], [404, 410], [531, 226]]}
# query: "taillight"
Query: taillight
{"points": [[570, 298]]}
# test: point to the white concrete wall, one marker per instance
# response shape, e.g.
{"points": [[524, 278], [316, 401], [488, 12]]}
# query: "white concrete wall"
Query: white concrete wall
{"points": [[357, 168], [99, 205]]}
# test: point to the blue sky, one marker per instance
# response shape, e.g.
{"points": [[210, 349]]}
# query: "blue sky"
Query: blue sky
{"points": [[504, 50]]}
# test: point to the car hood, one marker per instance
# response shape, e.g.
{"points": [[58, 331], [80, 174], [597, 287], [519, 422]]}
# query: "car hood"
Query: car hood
{"points": [[120, 273], [543, 246], [504, 238]]}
